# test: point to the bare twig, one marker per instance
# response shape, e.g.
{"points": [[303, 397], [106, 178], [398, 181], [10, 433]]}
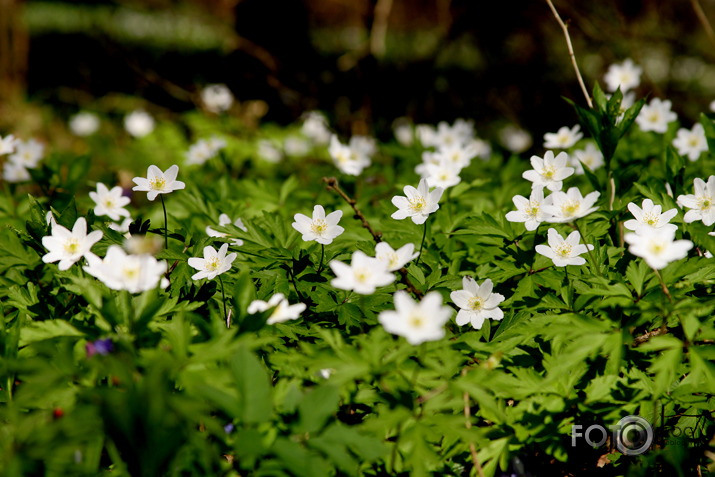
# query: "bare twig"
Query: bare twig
{"points": [[468, 425], [645, 337], [332, 184], [565, 29], [704, 20], [378, 34]]}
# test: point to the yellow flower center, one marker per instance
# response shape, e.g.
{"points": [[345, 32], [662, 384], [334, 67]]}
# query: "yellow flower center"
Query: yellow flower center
{"points": [[693, 141], [362, 275], [417, 321], [109, 203], [656, 248], [654, 117], [564, 250], [549, 172], [651, 219], [570, 208], [72, 246], [418, 204], [475, 303], [319, 226], [532, 210], [705, 202], [212, 264], [392, 260], [158, 183], [130, 273]]}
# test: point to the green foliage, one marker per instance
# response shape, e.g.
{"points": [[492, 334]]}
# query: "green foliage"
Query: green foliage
{"points": [[184, 391]]}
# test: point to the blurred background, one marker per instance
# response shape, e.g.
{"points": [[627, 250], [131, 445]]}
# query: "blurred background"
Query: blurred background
{"points": [[363, 62]]}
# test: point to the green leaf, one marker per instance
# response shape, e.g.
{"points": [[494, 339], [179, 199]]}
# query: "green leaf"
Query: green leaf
{"points": [[253, 386], [316, 407]]}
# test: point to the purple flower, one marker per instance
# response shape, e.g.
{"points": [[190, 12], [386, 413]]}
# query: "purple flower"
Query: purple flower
{"points": [[102, 347], [228, 428]]}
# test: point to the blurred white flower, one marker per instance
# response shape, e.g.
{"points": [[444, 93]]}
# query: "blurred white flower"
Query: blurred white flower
{"points": [[158, 182], [121, 271], [701, 204], [418, 203], [548, 171], [283, 311], [68, 247], [627, 75], [363, 275], [315, 127], [213, 264], [395, 259], [350, 160], [649, 218], [296, 146], [531, 210], [224, 219], [84, 123], [27, 153], [515, 139], [571, 205], [404, 133], [122, 227], [268, 151], [7, 144], [477, 303], [321, 228], [204, 149], [658, 247], [564, 252], [691, 142], [12, 172], [109, 202], [364, 145], [564, 138], [443, 174], [139, 123], [416, 321], [591, 157], [217, 97], [655, 116]]}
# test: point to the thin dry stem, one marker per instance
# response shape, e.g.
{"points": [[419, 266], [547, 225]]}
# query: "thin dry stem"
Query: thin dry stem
{"points": [[704, 20], [332, 184], [565, 29], [645, 337]]}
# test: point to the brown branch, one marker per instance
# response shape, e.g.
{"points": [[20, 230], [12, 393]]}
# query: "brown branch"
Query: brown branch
{"points": [[704, 20], [468, 425], [645, 337], [565, 29], [332, 184]]}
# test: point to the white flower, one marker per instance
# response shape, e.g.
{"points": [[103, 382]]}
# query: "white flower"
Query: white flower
{"points": [[477, 303], [315, 127], [139, 123], [321, 228], [224, 219], [123, 227], [121, 271], [655, 116], [217, 97], [27, 153], [590, 157], [364, 145], [571, 205], [549, 172], [213, 264], [84, 123], [268, 151], [417, 203], [691, 142], [460, 155], [482, 149], [200, 152], [426, 134], [712, 106], [649, 218], [157, 182], [443, 174], [564, 252], [404, 133], [395, 259], [531, 210], [515, 139], [283, 310], [416, 321], [348, 159], [7, 144], [564, 138], [296, 146], [627, 75], [363, 275], [109, 202], [658, 247], [12, 172], [702, 203], [68, 247], [216, 143]]}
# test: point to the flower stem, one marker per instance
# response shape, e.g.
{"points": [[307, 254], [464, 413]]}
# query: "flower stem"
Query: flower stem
{"points": [[166, 226], [424, 236], [322, 256], [223, 297], [663, 285]]}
